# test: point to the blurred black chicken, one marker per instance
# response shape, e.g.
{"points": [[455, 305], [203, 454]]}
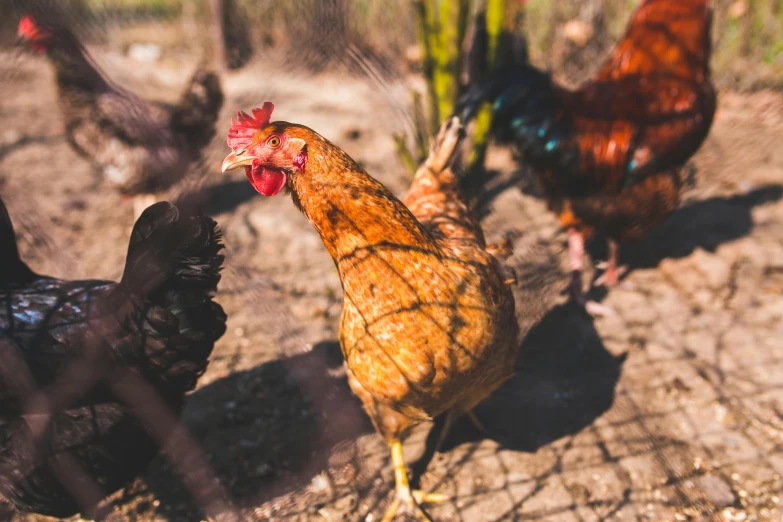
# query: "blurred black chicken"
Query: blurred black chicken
{"points": [[141, 147], [76, 342]]}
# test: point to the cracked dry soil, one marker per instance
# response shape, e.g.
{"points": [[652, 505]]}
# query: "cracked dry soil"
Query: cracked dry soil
{"points": [[671, 410]]}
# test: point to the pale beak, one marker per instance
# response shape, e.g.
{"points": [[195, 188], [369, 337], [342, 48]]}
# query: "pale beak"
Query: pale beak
{"points": [[236, 160]]}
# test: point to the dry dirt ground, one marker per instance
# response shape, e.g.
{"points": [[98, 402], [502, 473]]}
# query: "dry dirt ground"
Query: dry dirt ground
{"points": [[670, 411]]}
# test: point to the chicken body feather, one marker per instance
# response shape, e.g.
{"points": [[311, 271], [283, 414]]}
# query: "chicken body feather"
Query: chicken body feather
{"points": [[608, 153], [428, 323]]}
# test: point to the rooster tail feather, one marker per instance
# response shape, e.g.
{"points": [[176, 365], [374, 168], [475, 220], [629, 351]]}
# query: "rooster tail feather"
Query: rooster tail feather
{"points": [[197, 111], [168, 251], [528, 111], [504, 88]]}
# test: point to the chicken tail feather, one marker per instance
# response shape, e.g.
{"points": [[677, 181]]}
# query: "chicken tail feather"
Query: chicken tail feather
{"points": [[505, 88], [198, 109], [172, 271], [528, 111], [172, 251]]}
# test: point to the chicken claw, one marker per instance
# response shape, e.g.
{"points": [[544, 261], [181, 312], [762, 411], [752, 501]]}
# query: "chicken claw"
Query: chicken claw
{"points": [[406, 500], [612, 274], [576, 252]]}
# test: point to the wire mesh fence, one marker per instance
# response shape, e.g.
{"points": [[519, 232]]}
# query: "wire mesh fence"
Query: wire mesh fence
{"points": [[669, 411]]}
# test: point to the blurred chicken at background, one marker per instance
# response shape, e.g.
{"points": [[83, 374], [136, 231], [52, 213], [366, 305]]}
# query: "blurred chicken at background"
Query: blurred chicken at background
{"points": [[140, 147], [608, 154]]}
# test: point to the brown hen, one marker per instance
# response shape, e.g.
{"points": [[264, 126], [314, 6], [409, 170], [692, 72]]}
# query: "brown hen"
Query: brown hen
{"points": [[428, 320]]}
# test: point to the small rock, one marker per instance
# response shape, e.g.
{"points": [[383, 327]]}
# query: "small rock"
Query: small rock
{"points": [[634, 307], [262, 470], [738, 9], [716, 490], [715, 269], [352, 134], [11, 136], [774, 255], [144, 52], [681, 274], [413, 54], [770, 312], [701, 342], [578, 32], [320, 483], [740, 337], [733, 515]]}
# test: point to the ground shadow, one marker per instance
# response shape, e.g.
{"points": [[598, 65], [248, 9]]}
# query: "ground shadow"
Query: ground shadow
{"points": [[216, 199], [492, 183], [705, 224], [702, 224], [227, 196], [25, 141], [267, 431], [565, 379]]}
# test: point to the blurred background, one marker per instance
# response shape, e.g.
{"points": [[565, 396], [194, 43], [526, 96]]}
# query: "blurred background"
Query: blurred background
{"points": [[672, 410], [746, 33]]}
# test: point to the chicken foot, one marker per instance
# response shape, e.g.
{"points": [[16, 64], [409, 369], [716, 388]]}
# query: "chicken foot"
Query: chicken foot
{"points": [[407, 500], [576, 251]]}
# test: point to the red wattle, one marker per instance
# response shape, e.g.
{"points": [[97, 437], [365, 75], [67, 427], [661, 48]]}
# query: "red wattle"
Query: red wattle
{"points": [[267, 182]]}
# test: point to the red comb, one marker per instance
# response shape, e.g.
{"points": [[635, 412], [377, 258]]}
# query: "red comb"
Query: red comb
{"points": [[27, 26], [244, 128]]}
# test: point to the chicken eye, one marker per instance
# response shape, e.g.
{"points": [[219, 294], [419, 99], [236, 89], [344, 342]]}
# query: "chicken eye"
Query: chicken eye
{"points": [[274, 141]]}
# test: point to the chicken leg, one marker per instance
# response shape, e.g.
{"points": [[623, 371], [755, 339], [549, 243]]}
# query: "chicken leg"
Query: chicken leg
{"points": [[407, 500], [612, 273], [576, 251]]}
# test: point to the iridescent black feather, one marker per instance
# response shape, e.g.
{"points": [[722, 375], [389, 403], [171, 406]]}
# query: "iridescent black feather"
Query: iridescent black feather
{"points": [[159, 322]]}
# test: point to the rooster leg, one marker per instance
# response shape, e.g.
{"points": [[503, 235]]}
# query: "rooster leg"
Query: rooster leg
{"points": [[611, 275], [140, 204], [407, 501], [576, 254], [576, 250]]}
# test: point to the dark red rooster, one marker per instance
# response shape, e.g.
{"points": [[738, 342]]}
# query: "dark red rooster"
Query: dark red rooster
{"points": [[78, 341], [139, 146], [608, 154]]}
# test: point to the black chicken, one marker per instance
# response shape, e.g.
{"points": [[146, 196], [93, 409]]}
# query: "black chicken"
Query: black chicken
{"points": [[69, 346]]}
